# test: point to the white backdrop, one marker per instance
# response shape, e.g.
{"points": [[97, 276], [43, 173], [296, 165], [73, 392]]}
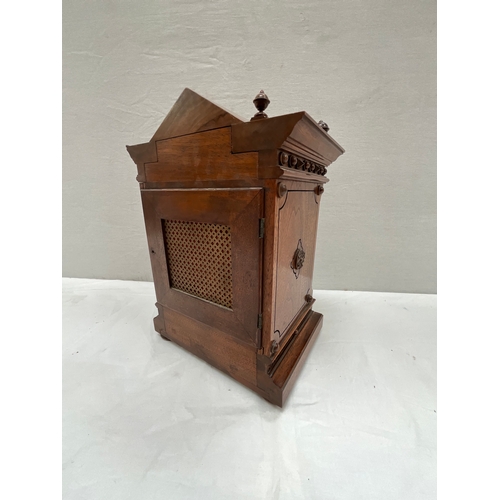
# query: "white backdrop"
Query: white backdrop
{"points": [[366, 68]]}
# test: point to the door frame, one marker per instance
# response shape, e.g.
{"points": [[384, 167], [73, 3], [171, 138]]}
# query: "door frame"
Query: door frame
{"points": [[238, 208]]}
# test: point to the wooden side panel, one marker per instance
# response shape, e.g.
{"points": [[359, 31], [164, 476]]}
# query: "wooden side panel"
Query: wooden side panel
{"points": [[212, 345], [237, 209], [201, 157], [297, 226]]}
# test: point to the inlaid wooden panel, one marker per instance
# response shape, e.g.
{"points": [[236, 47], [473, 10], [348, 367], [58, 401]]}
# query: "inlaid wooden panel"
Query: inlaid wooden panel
{"points": [[297, 225]]}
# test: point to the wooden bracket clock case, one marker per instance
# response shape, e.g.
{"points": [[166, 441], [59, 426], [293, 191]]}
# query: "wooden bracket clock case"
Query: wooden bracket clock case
{"points": [[231, 213]]}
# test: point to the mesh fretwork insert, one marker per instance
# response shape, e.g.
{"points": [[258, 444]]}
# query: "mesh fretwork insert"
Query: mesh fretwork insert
{"points": [[199, 259]]}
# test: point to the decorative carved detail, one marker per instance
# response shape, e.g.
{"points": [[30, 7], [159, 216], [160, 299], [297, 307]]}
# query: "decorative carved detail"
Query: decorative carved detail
{"points": [[283, 158], [292, 161], [319, 189], [309, 298], [323, 125], [298, 259], [282, 190], [274, 347], [261, 102]]}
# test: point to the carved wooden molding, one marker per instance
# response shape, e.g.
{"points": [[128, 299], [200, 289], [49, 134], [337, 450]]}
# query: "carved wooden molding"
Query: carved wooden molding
{"points": [[296, 162]]}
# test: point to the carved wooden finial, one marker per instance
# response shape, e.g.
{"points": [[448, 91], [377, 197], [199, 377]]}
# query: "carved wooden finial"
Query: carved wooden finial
{"points": [[324, 126], [261, 102]]}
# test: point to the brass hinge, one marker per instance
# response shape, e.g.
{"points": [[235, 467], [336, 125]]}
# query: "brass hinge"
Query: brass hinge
{"points": [[261, 227], [259, 321]]}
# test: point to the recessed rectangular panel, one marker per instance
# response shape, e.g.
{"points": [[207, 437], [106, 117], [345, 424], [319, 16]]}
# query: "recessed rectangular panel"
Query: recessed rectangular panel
{"points": [[199, 259], [297, 225]]}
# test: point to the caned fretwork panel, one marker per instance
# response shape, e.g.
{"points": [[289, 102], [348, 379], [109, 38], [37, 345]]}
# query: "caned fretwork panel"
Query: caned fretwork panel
{"points": [[199, 259]]}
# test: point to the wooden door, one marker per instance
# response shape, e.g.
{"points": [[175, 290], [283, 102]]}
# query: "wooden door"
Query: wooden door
{"points": [[206, 255], [297, 226]]}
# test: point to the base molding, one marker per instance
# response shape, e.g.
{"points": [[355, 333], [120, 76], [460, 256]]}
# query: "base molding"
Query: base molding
{"points": [[277, 379], [159, 321], [272, 379]]}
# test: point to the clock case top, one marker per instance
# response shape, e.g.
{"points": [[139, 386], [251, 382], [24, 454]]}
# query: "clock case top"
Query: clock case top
{"points": [[278, 163], [296, 133]]}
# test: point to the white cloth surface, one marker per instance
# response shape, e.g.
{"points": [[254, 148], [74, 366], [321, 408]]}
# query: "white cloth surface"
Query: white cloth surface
{"points": [[144, 419]]}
